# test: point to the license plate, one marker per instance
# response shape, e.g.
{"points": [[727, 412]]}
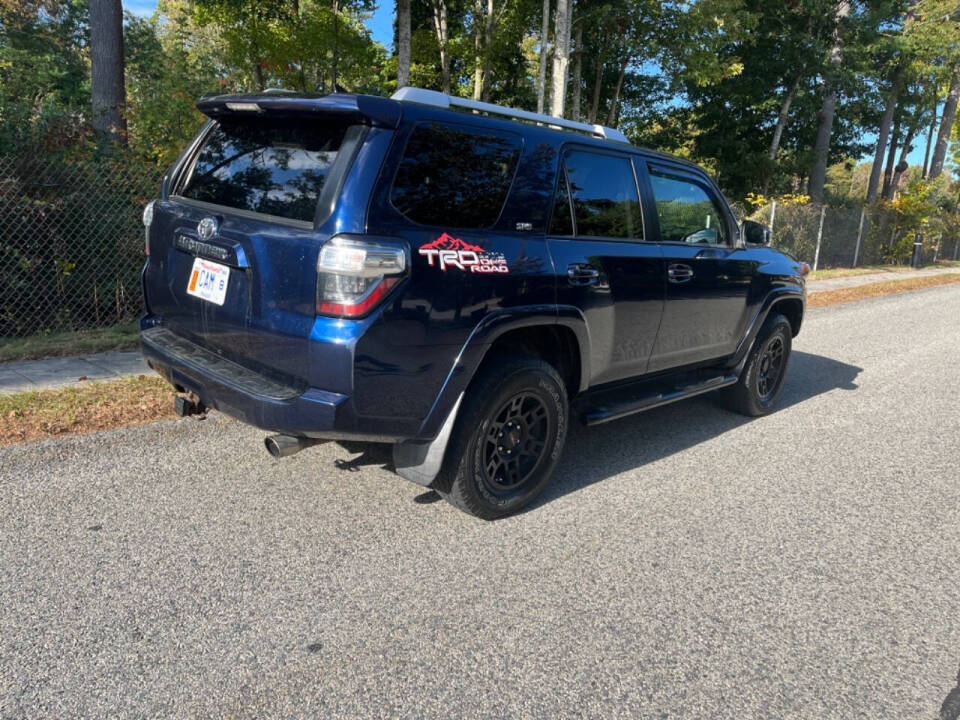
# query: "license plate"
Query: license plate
{"points": [[208, 281]]}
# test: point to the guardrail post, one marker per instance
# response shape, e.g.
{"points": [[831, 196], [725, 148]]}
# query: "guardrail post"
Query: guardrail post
{"points": [[773, 214], [856, 249], [816, 254]]}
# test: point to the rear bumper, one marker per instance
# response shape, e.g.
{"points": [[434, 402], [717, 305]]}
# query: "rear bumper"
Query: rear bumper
{"points": [[254, 398]]}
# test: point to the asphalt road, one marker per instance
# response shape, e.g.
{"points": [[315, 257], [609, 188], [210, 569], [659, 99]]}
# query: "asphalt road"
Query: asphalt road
{"points": [[685, 563]]}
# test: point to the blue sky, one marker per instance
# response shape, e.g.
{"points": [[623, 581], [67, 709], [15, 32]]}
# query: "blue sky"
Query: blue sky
{"points": [[381, 24]]}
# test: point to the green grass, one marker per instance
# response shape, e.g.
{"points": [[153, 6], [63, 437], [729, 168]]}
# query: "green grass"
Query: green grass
{"points": [[118, 337]]}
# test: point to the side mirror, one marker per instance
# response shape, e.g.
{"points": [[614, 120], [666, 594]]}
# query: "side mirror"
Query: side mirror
{"points": [[755, 233]]}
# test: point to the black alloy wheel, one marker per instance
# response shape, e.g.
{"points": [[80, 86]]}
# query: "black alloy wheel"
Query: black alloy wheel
{"points": [[515, 443], [770, 370]]}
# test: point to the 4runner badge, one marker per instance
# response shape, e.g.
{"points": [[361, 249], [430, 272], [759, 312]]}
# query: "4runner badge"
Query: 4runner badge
{"points": [[449, 251]]}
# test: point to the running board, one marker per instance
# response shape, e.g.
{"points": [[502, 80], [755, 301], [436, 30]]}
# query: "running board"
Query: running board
{"points": [[614, 403]]}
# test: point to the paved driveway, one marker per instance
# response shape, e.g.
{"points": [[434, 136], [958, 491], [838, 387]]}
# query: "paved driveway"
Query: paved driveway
{"points": [[686, 562]]}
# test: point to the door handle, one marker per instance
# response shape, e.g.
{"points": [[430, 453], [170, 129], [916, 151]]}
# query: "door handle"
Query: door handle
{"points": [[679, 273], [582, 274]]}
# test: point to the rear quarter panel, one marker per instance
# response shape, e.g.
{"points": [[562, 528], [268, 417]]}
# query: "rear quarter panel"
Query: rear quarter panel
{"points": [[410, 351]]}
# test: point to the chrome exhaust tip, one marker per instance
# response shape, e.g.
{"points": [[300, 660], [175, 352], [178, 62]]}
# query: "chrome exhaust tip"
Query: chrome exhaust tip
{"points": [[280, 446]]}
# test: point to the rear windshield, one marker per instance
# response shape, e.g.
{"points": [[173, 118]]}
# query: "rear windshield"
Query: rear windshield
{"points": [[277, 167]]}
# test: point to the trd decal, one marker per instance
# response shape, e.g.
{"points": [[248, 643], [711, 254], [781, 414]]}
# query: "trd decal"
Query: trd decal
{"points": [[449, 251]]}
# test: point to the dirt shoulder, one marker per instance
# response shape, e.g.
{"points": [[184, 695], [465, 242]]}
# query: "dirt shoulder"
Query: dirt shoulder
{"points": [[892, 287], [37, 415]]}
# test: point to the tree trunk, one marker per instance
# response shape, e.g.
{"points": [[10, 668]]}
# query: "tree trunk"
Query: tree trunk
{"points": [[488, 50], [403, 43], [891, 157], [336, 32], [615, 100], [561, 57], [926, 154], [882, 137], [821, 147], [597, 84], [484, 22], [778, 129], [443, 38], [903, 165], [901, 168], [577, 74], [783, 117], [107, 90], [542, 70], [946, 126], [478, 23], [258, 79]]}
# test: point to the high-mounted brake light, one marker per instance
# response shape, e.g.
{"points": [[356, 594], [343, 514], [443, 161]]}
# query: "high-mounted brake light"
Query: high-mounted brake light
{"points": [[243, 107], [355, 273], [147, 222]]}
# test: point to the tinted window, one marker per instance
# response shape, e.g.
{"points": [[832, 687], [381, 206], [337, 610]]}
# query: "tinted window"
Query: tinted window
{"points": [[562, 221], [604, 192], [455, 177], [686, 211], [277, 167]]}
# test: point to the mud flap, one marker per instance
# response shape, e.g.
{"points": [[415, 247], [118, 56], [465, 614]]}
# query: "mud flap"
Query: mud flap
{"points": [[420, 462]]}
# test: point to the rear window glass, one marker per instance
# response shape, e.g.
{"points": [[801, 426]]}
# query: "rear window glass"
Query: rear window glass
{"points": [[277, 167], [455, 177]]}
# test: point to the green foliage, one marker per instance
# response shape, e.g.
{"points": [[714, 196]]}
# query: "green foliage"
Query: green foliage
{"points": [[44, 85], [704, 80]]}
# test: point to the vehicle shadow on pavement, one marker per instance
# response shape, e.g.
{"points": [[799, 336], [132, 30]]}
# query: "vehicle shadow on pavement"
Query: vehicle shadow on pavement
{"points": [[594, 454]]}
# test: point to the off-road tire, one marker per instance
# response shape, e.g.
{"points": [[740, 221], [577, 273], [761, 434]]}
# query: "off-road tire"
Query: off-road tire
{"points": [[746, 397], [464, 480]]}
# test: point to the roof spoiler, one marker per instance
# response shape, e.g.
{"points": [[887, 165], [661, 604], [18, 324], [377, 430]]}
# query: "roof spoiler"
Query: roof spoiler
{"points": [[365, 109]]}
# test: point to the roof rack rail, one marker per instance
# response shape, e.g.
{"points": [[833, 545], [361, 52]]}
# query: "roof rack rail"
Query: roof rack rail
{"points": [[439, 99]]}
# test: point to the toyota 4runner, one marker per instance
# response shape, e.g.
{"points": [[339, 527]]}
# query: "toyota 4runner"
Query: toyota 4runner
{"points": [[456, 278]]}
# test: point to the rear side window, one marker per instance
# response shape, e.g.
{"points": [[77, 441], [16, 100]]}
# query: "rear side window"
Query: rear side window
{"points": [[455, 177], [276, 167], [604, 197]]}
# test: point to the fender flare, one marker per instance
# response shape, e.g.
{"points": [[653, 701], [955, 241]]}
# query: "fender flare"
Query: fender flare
{"points": [[420, 460], [776, 296]]}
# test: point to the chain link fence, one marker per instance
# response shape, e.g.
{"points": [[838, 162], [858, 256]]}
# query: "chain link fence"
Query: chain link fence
{"points": [[71, 243], [828, 237]]}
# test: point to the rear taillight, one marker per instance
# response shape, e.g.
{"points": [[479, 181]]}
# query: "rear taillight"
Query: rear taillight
{"points": [[147, 222], [355, 273]]}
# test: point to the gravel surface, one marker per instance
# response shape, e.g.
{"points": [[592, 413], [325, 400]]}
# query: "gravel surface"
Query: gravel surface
{"points": [[685, 563]]}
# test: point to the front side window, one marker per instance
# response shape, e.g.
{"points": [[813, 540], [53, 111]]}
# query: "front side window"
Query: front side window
{"points": [[276, 167], [452, 176], [604, 194], [686, 211]]}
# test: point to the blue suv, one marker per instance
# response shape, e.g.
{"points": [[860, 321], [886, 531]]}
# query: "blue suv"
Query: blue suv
{"points": [[455, 278]]}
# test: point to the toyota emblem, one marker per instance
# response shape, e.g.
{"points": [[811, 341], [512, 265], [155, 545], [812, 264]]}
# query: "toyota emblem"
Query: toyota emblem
{"points": [[207, 228]]}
